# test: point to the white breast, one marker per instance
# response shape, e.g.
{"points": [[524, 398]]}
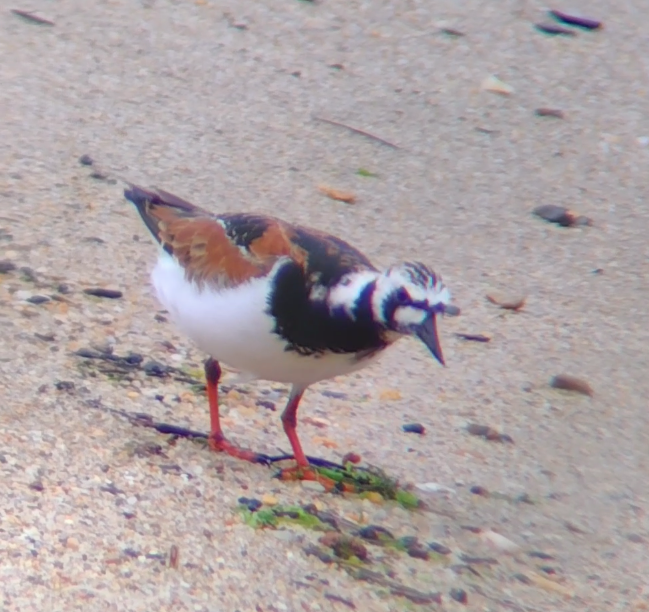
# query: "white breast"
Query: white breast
{"points": [[233, 326]]}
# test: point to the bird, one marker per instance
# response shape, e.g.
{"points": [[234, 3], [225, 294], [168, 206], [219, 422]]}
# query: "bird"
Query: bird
{"points": [[281, 302]]}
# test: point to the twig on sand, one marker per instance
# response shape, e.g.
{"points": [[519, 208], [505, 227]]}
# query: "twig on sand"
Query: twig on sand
{"points": [[357, 131], [29, 16]]}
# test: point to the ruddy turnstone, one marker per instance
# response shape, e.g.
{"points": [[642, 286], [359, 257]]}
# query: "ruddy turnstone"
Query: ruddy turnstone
{"points": [[281, 302]]}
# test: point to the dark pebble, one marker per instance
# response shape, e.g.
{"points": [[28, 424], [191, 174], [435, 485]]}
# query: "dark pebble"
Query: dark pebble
{"points": [[415, 596], [471, 528], [571, 383], [537, 554], [461, 569], [315, 551], [452, 310], [522, 578], [102, 176], [417, 428], [37, 485], [252, 504], [478, 490], [548, 569], [86, 160], [560, 215], [29, 274], [459, 595], [87, 353], [452, 32], [111, 488], [375, 533], [440, 549], [408, 541], [159, 398], [45, 337], [153, 368], [524, 498], [341, 600], [7, 266], [160, 318], [134, 359], [549, 112], [64, 288], [64, 385], [310, 509], [575, 20], [551, 28], [292, 514], [636, 538], [131, 552], [266, 404], [111, 294], [418, 552], [38, 299], [334, 394], [474, 337], [488, 433]]}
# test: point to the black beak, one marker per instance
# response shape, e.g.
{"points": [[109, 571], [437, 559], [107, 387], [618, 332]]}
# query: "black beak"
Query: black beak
{"points": [[427, 333]]}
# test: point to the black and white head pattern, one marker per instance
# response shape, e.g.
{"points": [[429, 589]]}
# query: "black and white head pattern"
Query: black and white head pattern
{"points": [[399, 299]]}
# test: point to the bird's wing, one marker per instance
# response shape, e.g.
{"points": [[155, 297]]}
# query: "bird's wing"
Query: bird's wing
{"points": [[231, 248]]}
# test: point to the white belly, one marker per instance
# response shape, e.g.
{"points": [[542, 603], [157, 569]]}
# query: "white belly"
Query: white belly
{"points": [[233, 326]]}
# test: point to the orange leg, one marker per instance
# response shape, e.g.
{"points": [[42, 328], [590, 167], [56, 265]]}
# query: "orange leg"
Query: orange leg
{"points": [[289, 420], [217, 439], [302, 471]]}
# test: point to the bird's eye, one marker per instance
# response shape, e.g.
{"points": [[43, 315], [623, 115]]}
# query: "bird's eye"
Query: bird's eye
{"points": [[402, 296]]}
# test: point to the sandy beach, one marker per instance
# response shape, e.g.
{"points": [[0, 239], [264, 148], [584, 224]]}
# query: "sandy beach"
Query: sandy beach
{"points": [[235, 106]]}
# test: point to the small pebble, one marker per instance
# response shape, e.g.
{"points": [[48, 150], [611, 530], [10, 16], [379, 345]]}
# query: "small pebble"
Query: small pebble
{"points": [[252, 504], [266, 404], [153, 368], [488, 433], [111, 294], [459, 595], [507, 302], [86, 160], [375, 533], [499, 541], [576, 20], [478, 490], [269, 500], [7, 266], [537, 554], [552, 28], [440, 549], [571, 383], [38, 299], [549, 112], [560, 215], [495, 85], [416, 428], [418, 552], [333, 394], [473, 337], [64, 385]]}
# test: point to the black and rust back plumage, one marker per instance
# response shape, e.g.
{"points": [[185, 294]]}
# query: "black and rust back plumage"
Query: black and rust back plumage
{"points": [[230, 248]]}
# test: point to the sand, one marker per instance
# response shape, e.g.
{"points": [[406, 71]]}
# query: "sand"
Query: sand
{"points": [[218, 102]]}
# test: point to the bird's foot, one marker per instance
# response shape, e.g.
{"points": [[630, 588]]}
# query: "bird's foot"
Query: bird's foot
{"points": [[302, 473], [220, 444]]}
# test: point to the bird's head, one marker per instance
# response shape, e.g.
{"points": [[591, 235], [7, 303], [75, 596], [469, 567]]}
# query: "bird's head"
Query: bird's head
{"points": [[407, 299], [403, 300]]}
